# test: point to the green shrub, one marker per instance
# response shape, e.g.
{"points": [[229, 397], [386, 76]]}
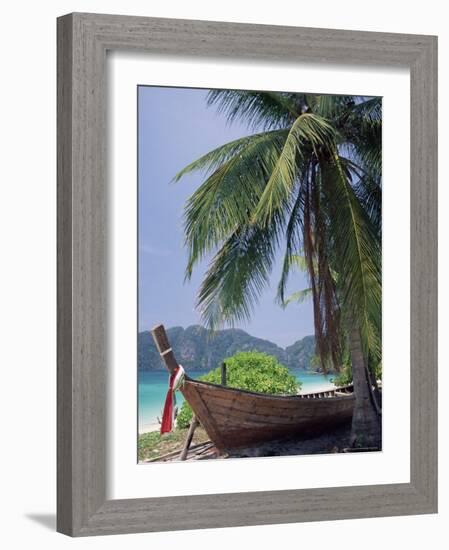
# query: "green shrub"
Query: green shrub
{"points": [[184, 416], [248, 370], [344, 377]]}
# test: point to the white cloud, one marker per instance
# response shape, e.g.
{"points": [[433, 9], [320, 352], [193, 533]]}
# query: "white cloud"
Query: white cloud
{"points": [[154, 251]]}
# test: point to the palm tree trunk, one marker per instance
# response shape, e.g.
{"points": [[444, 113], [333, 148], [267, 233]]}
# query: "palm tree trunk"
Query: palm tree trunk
{"points": [[366, 422]]}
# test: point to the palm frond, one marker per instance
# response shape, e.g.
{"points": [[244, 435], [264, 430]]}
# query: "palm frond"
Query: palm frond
{"points": [[364, 131], [237, 275], [369, 194], [229, 195], [332, 107], [368, 189], [298, 297], [369, 109], [356, 255], [293, 238], [266, 110], [215, 158], [308, 134]]}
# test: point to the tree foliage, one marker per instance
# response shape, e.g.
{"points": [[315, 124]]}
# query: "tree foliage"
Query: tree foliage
{"points": [[308, 181]]}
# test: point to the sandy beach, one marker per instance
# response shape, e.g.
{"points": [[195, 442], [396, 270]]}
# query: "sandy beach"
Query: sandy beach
{"points": [[145, 428]]}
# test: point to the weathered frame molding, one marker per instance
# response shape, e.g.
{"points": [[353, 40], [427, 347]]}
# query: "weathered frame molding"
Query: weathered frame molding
{"points": [[83, 40]]}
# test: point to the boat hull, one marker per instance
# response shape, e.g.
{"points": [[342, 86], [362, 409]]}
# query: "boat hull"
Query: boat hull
{"points": [[236, 418]]}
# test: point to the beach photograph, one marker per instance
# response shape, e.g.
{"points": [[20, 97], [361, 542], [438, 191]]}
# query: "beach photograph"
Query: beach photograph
{"points": [[259, 274]]}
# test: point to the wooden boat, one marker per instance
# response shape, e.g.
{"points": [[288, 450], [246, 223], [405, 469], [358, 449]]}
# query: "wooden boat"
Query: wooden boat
{"points": [[236, 418]]}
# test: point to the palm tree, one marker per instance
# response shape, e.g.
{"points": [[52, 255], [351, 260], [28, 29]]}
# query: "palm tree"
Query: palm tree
{"points": [[308, 179]]}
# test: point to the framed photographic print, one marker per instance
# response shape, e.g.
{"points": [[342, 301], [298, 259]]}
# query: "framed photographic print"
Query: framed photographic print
{"points": [[270, 160], [246, 274]]}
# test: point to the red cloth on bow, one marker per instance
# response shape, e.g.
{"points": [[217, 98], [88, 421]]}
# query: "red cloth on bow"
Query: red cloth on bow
{"points": [[167, 417]]}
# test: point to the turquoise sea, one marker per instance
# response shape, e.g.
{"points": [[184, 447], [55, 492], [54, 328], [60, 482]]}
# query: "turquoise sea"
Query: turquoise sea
{"points": [[153, 388]]}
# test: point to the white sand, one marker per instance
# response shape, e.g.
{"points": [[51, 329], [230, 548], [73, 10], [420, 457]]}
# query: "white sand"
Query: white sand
{"points": [[144, 428]]}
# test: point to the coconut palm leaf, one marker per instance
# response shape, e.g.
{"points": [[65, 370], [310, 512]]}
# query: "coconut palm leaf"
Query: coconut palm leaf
{"points": [[215, 158], [356, 255], [229, 195], [331, 107], [369, 193], [307, 135], [265, 110], [293, 238], [237, 275], [368, 189], [365, 133], [290, 261], [369, 109], [298, 297]]}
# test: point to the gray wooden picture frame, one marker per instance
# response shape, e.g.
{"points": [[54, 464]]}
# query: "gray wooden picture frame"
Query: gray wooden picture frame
{"points": [[83, 40]]}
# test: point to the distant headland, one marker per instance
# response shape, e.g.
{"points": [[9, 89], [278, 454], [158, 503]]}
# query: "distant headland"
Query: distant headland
{"points": [[196, 349]]}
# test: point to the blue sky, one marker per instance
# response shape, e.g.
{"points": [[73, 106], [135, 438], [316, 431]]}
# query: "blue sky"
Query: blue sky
{"points": [[176, 127]]}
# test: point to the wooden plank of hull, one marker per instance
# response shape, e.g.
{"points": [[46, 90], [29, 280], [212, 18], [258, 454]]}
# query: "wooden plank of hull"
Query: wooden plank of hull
{"points": [[203, 413], [267, 404], [235, 418]]}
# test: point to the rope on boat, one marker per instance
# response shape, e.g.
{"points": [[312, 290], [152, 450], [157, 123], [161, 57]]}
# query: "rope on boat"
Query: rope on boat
{"points": [[175, 381]]}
